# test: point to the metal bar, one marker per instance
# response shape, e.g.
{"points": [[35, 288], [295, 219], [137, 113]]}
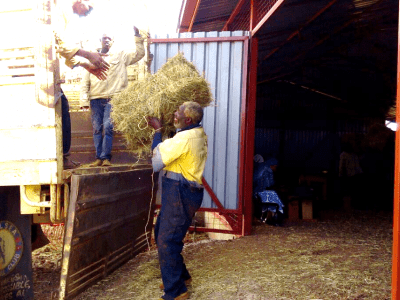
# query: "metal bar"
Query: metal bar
{"points": [[242, 199], [233, 14], [194, 15], [297, 32], [205, 229], [212, 194], [58, 201], [396, 200], [337, 30], [222, 212], [201, 40], [247, 147], [53, 203], [66, 199], [266, 17], [225, 211], [31, 203], [253, 15]]}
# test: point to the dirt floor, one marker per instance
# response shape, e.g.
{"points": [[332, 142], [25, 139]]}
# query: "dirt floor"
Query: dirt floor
{"points": [[339, 256]]}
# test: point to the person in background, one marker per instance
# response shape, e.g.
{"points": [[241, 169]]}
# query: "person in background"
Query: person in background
{"points": [[349, 174], [258, 158], [183, 157], [93, 62], [97, 93], [265, 200]]}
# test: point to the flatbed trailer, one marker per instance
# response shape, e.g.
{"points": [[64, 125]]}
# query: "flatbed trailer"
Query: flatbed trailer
{"points": [[106, 210]]}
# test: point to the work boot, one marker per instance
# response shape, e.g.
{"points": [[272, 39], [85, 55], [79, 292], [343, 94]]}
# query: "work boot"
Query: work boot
{"points": [[182, 296], [96, 163], [187, 282], [106, 163]]}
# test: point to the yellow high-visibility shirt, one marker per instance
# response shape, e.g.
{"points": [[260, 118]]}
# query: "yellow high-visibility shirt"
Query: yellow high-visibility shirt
{"points": [[185, 154]]}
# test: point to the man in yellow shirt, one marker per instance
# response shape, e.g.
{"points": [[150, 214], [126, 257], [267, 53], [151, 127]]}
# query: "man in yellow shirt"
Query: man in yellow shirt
{"points": [[183, 159]]}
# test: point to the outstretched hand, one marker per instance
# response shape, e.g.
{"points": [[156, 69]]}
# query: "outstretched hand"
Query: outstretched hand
{"points": [[154, 122], [100, 73], [97, 60], [141, 33]]}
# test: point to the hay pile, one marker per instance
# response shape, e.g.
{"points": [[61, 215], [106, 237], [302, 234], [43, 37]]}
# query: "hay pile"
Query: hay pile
{"points": [[158, 95]]}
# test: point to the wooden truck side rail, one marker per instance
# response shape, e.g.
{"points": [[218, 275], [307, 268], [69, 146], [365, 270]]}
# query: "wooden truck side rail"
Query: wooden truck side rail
{"points": [[30, 118]]}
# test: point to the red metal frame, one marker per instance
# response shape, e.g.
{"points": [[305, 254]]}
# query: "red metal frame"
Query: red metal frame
{"points": [[247, 141], [233, 14], [238, 219], [189, 7], [202, 40], [266, 17], [194, 15], [396, 204], [297, 32]]}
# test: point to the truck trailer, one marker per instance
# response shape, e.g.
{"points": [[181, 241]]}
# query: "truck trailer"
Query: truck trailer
{"points": [[107, 211]]}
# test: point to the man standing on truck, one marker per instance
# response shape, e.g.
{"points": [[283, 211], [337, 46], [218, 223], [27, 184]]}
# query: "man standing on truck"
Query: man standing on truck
{"points": [[183, 159], [97, 93], [94, 62]]}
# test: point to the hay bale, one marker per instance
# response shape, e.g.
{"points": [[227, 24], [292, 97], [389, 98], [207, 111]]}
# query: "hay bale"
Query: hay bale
{"points": [[158, 95]]}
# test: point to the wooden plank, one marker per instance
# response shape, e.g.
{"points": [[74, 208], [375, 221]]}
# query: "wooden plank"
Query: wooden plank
{"points": [[6, 81], [16, 53], [6, 72], [45, 57], [27, 42], [18, 28], [15, 6], [28, 172], [29, 61], [28, 143]]}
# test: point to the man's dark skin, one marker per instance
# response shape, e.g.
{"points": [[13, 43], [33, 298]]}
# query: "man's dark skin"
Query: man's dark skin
{"points": [[106, 43], [97, 66], [180, 120]]}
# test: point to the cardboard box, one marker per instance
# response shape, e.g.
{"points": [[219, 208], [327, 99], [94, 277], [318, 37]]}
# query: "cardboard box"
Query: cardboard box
{"points": [[293, 210], [306, 210]]}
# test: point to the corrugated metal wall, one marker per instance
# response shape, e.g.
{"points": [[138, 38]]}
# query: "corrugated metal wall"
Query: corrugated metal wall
{"points": [[302, 129], [222, 65]]}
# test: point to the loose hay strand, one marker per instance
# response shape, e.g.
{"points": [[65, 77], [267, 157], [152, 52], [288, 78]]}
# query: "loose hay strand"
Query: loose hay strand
{"points": [[158, 95]]}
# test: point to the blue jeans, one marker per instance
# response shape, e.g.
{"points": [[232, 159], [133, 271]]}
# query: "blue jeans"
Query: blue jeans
{"points": [[101, 120], [66, 124], [179, 203]]}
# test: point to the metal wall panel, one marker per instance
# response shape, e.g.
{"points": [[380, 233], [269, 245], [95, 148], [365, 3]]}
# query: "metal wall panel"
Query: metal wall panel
{"points": [[222, 65]]}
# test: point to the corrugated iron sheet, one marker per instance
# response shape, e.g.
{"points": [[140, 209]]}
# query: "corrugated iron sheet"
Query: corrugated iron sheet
{"points": [[222, 65]]}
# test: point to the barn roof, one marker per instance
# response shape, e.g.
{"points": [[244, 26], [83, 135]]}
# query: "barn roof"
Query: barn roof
{"points": [[343, 49]]}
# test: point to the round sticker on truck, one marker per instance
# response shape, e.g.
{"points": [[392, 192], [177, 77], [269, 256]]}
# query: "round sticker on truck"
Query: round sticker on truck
{"points": [[11, 247]]}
